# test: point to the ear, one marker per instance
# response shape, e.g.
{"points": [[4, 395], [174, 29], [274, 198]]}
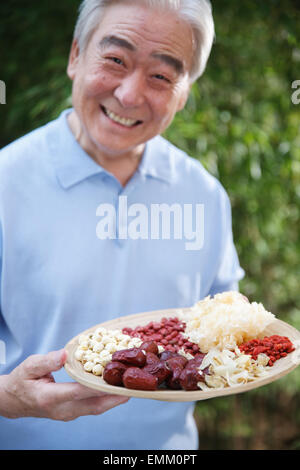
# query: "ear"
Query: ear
{"points": [[184, 97], [73, 60]]}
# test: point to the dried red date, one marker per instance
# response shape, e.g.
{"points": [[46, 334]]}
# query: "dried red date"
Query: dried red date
{"points": [[196, 361], [159, 370], [176, 360], [189, 378], [113, 373], [167, 355], [173, 380], [133, 357], [191, 374], [139, 379], [176, 365], [151, 358], [149, 346]]}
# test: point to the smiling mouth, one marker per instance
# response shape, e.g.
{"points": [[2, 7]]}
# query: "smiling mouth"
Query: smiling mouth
{"points": [[120, 120]]}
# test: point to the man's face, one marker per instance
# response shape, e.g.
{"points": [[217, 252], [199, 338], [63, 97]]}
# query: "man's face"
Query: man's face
{"points": [[132, 78]]}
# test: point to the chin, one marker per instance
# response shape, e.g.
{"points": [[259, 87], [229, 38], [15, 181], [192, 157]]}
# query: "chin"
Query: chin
{"points": [[112, 150]]}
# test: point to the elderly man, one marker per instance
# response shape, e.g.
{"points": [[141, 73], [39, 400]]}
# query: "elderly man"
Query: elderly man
{"points": [[61, 271]]}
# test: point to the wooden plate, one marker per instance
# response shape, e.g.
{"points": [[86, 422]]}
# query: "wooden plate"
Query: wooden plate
{"points": [[281, 367]]}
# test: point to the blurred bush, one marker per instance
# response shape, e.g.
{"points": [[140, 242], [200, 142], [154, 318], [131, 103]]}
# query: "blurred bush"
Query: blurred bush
{"points": [[241, 124]]}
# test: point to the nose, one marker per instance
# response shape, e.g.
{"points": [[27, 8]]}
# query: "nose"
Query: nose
{"points": [[131, 90]]}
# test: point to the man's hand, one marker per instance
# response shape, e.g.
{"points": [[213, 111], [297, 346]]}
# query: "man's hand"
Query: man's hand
{"points": [[30, 390]]}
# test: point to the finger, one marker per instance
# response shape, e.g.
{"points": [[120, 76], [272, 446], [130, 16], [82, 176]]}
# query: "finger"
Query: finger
{"points": [[110, 401], [61, 392], [89, 406], [39, 365]]}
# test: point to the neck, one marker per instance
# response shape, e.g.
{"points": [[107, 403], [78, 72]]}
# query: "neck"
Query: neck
{"points": [[122, 165]]}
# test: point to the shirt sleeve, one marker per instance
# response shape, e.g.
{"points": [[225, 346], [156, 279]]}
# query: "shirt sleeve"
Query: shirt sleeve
{"points": [[2, 344], [0, 264], [229, 271]]}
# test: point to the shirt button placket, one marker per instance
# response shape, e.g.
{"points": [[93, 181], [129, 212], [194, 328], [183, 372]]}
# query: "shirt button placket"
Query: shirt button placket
{"points": [[121, 219], [122, 213]]}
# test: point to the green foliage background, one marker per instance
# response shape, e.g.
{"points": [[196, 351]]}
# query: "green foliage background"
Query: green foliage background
{"points": [[242, 125]]}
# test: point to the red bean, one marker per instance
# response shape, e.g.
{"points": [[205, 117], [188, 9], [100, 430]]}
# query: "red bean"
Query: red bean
{"points": [[167, 333], [173, 341], [157, 337]]}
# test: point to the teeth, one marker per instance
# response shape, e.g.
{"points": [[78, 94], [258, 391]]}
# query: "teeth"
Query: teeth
{"points": [[119, 119]]}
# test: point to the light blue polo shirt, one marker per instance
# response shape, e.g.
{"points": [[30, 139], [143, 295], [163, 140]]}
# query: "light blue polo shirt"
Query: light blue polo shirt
{"points": [[77, 249]]}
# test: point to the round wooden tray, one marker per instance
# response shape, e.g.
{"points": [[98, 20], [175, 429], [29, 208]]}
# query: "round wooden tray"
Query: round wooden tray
{"points": [[281, 367]]}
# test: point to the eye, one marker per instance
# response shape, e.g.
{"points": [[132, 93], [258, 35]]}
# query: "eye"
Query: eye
{"points": [[116, 60], [162, 77]]}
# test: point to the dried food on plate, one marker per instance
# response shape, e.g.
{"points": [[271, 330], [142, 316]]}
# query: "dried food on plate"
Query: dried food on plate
{"points": [[221, 345]]}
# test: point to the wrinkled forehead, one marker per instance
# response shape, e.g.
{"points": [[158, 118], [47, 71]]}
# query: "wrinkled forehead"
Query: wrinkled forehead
{"points": [[147, 29]]}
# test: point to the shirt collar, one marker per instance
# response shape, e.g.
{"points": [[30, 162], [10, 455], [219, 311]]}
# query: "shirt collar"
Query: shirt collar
{"points": [[73, 165], [158, 161]]}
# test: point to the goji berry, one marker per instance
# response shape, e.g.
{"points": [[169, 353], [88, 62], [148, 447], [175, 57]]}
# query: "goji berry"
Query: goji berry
{"points": [[274, 346]]}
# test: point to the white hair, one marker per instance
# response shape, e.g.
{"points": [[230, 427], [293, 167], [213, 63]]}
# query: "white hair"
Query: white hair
{"points": [[197, 13]]}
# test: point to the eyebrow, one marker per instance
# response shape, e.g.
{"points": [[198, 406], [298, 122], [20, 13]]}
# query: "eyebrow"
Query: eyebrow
{"points": [[111, 40], [170, 60], [116, 41]]}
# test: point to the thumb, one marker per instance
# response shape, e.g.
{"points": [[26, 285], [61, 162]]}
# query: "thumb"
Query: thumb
{"points": [[39, 365]]}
